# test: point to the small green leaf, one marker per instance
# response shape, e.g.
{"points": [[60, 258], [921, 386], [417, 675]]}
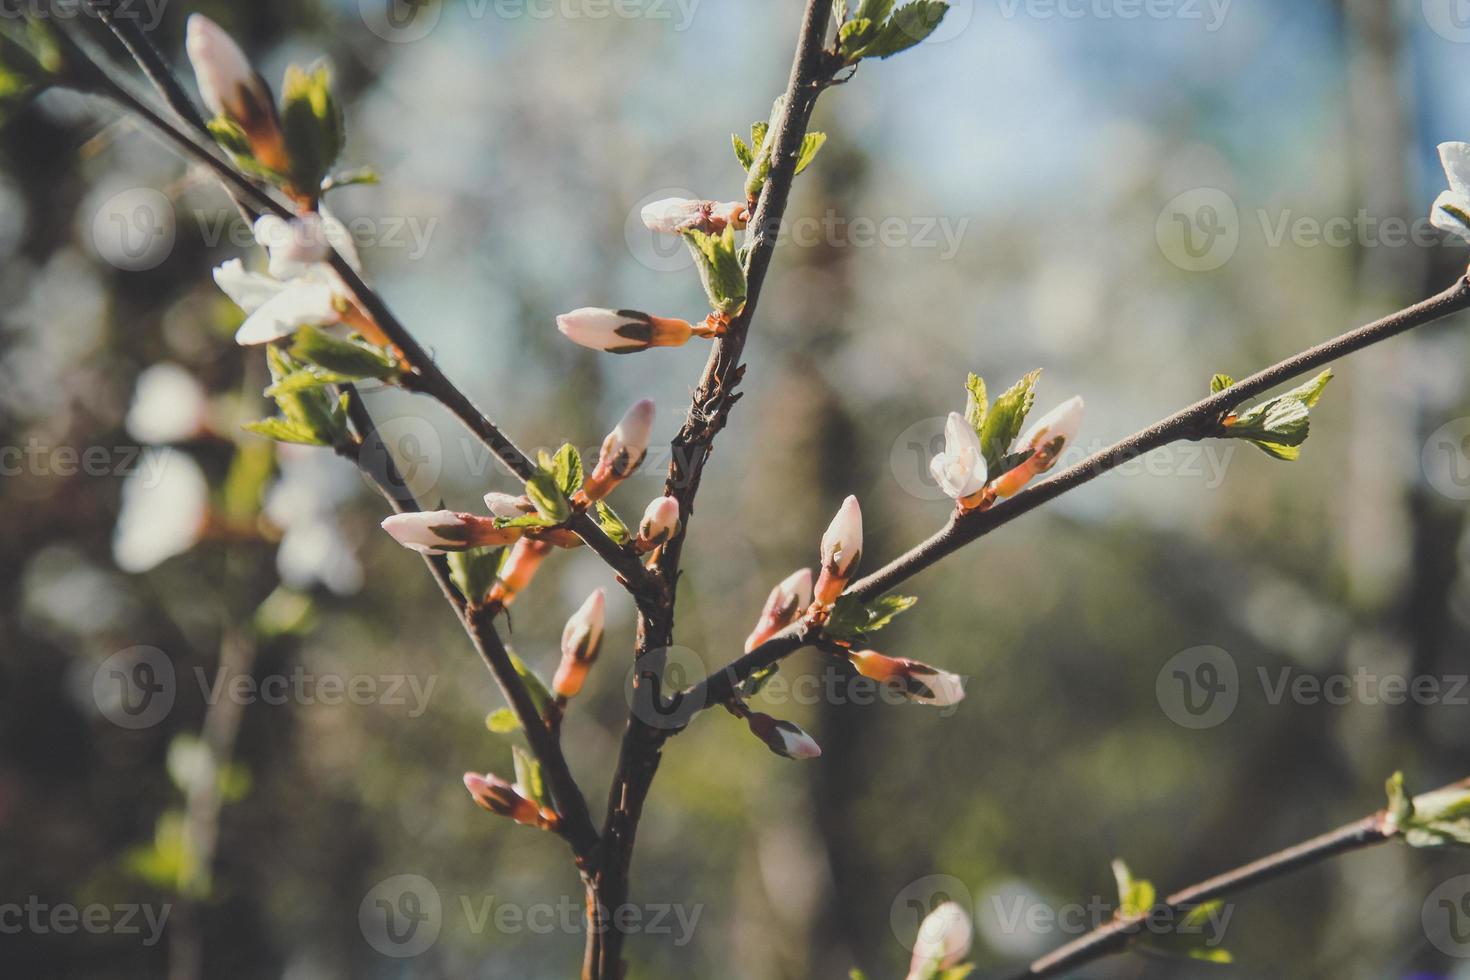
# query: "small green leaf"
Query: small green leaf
{"points": [[566, 469], [760, 167], [758, 132], [1006, 419], [311, 121], [473, 571], [612, 525], [856, 974], [502, 721], [535, 686], [908, 26], [545, 492], [1220, 382], [977, 404], [1437, 819], [720, 270], [1280, 425], [528, 776], [874, 10], [346, 359], [283, 430], [854, 35], [1136, 896], [851, 618], [811, 145], [743, 152]]}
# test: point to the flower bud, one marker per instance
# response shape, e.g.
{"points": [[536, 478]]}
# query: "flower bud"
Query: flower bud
{"points": [[944, 940], [783, 737], [231, 88], [960, 470], [842, 548], [622, 451], [437, 531], [918, 681], [660, 522], [622, 331], [500, 797], [508, 505], [294, 246], [581, 642], [1046, 440], [787, 601], [519, 568], [676, 215]]}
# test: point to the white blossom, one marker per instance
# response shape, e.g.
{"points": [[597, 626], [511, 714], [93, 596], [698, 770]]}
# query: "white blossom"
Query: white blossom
{"points": [[960, 470]]}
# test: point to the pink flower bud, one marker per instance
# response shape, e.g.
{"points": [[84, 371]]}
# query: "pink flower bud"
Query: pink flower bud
{"points": [[1045, 440], [842, 548], [622, 331], [231, 88], [783, 737], [944, 940], [622, 451], [500, 797], [581, 642], [660, 521], [918, 681], [787, 601], [676, 215], [508, 505], [960, 470], [437, 531]]}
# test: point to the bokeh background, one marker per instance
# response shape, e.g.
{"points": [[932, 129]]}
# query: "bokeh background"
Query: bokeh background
{"points": [[1130, 196]]}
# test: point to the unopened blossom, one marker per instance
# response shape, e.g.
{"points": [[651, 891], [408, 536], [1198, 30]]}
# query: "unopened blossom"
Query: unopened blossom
{"points": [[660, 522], [295, 245], [960, 470], [1451, 210], [944, 940], [509, 505], [169, 405], [231, 88], [507, 800], [842, 547], [437, 531], [787, 601], [622, 451], [783, 737], [581, 642], [520, 567], [918, 681], [676, 215], [1046, 440], [623, 331]]}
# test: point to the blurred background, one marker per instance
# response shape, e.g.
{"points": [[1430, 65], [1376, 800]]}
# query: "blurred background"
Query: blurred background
{"points": [[1130, 196]]}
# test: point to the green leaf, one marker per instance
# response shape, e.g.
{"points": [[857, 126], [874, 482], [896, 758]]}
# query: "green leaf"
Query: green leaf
{"points": [[743, 152], [528, 776], [1280, 425], [1136, 896], [908, 26], [1437, 819], [1220, 382], [811, 144], [284, 430], [720, 270], [545, 492], [956, 972], [535, 686], [612, 525], [760, 167], [851, 617], [566, 469], [251, 468], [284, 613], [473, 571], [348, 359], [874, 10], [228, 134], [502, 721], [977, 404], [854, 35], [1006, 419], [311, 416], [856, 974], [311, 121], [759, 131]]}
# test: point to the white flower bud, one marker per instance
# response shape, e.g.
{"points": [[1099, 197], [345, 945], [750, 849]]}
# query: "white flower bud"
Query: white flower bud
{"points": [[622, 331], [438, 531], [944, 940], [783, 737], [581, 641], [660, 521], [918, 681], [960, 470], [231, 88], [791, 596], [508, 505], [842, 547], [1054, 431], [676, 215]]}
